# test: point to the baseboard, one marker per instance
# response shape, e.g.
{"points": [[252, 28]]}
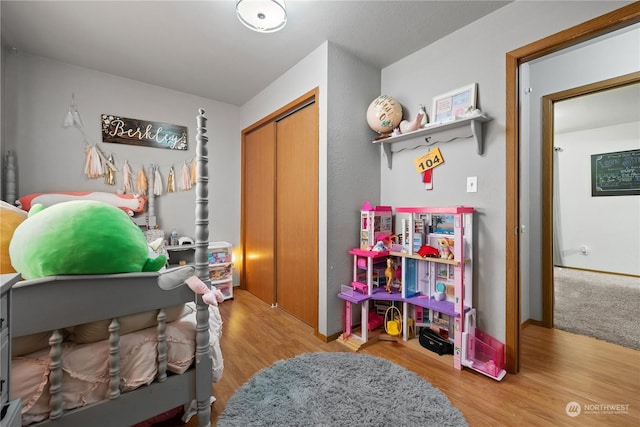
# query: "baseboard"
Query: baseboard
{"points": [[329, 338], [530, 322], [597, 271]]}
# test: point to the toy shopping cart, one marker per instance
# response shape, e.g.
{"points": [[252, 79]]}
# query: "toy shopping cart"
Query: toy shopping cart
{"points": [[480, 351]]}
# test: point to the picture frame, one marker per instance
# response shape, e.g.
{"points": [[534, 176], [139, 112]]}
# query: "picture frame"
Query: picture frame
{"points": [[454, 104], [442, 224]]}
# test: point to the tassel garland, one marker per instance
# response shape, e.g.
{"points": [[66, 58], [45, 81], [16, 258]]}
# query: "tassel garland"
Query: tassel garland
{"points": [[171, 181], [109, 175], [93, 162], [143, 182], [68, 119], [185, 178], [194, 172], [73, 115], [97, 165], [157, 183], [127, 178]]}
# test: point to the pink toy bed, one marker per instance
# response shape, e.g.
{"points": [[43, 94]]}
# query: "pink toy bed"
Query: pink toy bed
{"points": [[118, 349]]}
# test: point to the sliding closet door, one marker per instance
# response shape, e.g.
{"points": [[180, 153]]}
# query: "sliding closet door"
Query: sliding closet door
{"points": [[297, 213], [258, 212], [280, 209]]}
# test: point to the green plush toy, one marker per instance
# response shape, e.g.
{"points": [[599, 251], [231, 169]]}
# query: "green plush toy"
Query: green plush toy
{"points": [[80, 237]]}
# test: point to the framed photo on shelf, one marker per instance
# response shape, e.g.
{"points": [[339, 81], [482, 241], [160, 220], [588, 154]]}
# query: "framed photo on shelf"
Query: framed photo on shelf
{"points": [[449, 106]]}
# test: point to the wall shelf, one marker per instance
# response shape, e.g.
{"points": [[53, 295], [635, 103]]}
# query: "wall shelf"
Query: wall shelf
{"points": [[468, 127]]}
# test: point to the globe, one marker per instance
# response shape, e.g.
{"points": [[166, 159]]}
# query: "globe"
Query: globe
{"points": [[384, 114]]}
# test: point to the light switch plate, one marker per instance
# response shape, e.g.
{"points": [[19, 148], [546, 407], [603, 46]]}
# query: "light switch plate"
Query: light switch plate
{"points": [[472, 184]]}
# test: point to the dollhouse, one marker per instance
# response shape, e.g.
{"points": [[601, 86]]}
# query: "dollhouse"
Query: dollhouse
{"points": [[433, 292], [375, 223]]}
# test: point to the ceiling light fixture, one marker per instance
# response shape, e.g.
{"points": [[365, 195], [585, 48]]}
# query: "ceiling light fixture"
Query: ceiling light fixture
{"points": [[263, 16]]}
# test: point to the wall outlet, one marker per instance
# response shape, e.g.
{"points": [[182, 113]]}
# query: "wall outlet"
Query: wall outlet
{"points": [[472, 184]]}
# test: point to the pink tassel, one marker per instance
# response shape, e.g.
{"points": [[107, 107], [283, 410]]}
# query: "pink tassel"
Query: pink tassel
{"points": [[185, 178], [143, 182], [157, 183], [127, 178], [194, 173], [93, 165]]}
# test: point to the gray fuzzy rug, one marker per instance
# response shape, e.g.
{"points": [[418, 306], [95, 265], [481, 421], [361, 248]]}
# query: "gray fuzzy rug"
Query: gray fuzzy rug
{"points": [[338, 389], [598, 305]]}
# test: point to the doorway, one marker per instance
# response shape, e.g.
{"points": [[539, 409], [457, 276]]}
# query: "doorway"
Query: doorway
{"points": [[617, 19], [589, 119], [279, 213]]}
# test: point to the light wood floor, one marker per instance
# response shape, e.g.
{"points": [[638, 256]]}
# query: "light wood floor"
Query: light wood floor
{"points": [[557, 368]]}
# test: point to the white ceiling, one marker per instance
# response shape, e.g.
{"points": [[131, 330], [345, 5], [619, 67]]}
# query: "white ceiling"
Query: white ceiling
{"points": [[605, 108], [200, 47]]}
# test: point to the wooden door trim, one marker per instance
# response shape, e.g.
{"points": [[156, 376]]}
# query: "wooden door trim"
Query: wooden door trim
{"points": [[311, 96], [547, 212], [611, 21]]}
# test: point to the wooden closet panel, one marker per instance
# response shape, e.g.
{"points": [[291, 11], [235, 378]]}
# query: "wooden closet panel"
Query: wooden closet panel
{"points": [[258, 204], [297, 214]]}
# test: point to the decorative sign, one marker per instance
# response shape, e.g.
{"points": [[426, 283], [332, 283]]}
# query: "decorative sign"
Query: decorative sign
{"points": [[615, 174], [429, 161], [141, 132]]}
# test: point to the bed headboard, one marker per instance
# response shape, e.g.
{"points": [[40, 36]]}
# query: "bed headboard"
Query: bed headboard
{"points": [[202, 200]]}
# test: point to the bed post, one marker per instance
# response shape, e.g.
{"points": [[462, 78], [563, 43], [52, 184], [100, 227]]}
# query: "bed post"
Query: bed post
{"points": [[10, 178], [151, 197], [204, 379]]}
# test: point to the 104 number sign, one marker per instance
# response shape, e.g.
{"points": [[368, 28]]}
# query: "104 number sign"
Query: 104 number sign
{"points": [[429, 161]]}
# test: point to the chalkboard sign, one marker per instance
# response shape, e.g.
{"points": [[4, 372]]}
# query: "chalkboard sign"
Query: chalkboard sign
{"points": [[615, 174]]}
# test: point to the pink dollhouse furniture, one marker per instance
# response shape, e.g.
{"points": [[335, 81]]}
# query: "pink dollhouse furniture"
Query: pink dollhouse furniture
{"points": [[375, 222]]}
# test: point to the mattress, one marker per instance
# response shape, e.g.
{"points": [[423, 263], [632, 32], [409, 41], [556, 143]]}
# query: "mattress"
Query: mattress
{"points": [[86, 366]]}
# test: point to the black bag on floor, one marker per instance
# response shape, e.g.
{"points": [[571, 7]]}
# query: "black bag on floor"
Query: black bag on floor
{"points": [[432, 341]]}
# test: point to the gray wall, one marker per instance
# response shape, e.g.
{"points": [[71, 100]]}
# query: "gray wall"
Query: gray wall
{"points": [[475, 53], [353, 175], [51, 158]]}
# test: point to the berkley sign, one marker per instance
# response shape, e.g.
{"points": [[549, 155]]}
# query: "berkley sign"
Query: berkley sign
{"points": [[123, 130]]}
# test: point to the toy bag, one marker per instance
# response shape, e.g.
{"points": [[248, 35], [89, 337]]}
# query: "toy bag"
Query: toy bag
{"points": [[432, 341]]}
